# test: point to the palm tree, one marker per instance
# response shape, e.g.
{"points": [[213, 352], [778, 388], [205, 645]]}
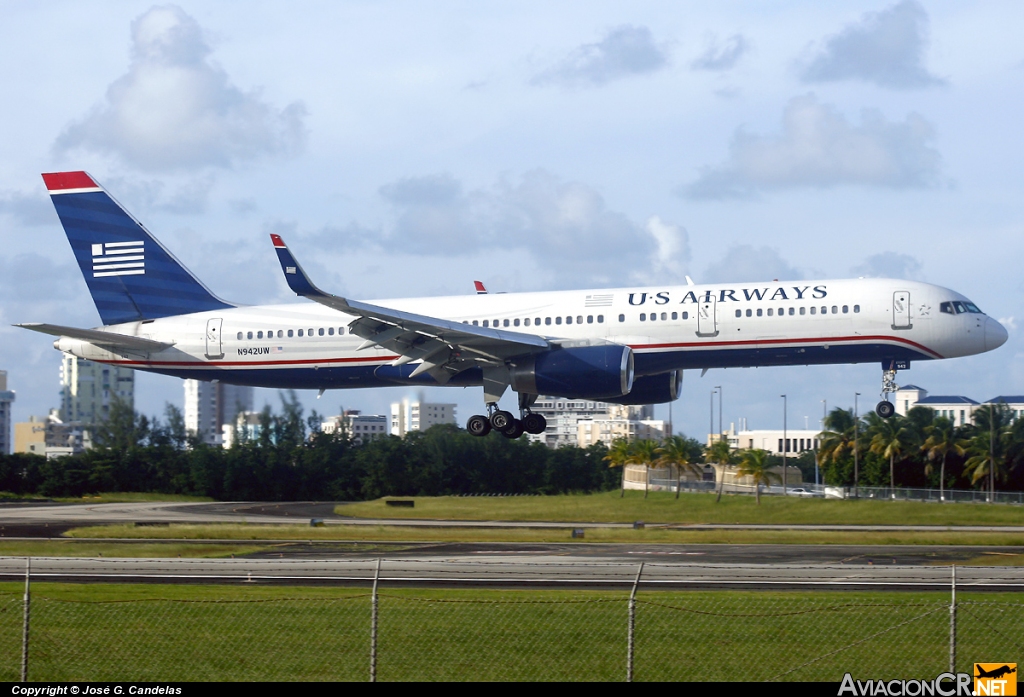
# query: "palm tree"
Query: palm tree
{"points": [[890, 438], [754, 463], [988, 444], [618, 456], [838, 437], [675, 452], [720, 452], [644, 452], [941, 441]]}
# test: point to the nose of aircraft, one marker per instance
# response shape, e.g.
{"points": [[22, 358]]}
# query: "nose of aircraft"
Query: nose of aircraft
{"points": [[995, 334]]}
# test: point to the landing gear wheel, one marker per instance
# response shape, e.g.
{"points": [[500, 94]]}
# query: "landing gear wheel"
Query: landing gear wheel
{"points": [[478, 426], [885, 409], [501, 420], [514, 430], [534, 423]]}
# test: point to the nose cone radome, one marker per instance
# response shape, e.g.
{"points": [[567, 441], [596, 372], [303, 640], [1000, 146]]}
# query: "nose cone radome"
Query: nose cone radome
{"points": [[995, 334]]}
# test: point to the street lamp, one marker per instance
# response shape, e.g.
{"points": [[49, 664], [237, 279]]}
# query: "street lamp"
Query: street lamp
{"points": [[817, 451], [711, 420], [856, 440], [991, 452], [719, 388], [785, 442]]}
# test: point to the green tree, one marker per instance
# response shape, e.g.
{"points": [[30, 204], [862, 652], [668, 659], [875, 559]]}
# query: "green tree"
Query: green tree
{"points": [[890, 438], [754, 463], [644, 452], [677, 453], [989, 446], [721, 452], [941, 440], [618, 456]]}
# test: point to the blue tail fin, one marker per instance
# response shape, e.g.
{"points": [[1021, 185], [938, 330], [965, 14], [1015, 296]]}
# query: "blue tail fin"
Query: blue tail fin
{"points": [[130, 274]]}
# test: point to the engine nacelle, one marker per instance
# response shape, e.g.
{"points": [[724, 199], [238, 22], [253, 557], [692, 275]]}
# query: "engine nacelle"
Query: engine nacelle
{"points": [[653, 389], [584, 372]]}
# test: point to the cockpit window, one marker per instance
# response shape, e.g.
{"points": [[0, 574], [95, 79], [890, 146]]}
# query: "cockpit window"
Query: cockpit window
{"points": [[971, 307], [947, 308], [959, 307]]}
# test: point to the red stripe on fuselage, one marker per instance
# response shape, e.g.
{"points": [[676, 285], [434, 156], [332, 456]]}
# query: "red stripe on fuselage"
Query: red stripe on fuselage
{"points": [[775, 342], [252, 364]]}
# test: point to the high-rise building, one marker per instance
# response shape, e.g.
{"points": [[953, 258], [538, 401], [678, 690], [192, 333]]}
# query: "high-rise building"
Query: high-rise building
{"points": [[359, 427], [49, 436], [6, 398], [88, 389], [564, 416], [209, 406], [417, 415]]}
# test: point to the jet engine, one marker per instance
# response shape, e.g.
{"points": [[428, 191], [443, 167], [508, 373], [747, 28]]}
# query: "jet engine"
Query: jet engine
{"points": [[585, 372], [653, 389]]}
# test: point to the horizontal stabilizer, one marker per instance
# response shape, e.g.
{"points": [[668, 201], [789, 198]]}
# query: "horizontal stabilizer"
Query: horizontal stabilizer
{"points": [[98, 337]]}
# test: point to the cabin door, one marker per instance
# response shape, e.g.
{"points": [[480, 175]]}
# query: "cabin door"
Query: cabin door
{"points": [[901, 310], [707, 317], [214, 348]]}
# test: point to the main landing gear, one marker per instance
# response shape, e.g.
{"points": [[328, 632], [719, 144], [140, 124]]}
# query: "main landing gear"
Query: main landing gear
{"points": [[885, 408], [505, 423]]}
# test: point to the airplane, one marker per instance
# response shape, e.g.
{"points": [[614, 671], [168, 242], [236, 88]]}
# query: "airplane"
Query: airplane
{"points": [[620, 345]]}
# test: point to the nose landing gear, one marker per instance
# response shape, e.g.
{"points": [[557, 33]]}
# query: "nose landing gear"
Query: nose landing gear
{"points": [[885, 408]]}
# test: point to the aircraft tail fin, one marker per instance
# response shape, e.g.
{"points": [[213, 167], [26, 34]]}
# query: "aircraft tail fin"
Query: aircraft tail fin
{"points": [[130, 275]]}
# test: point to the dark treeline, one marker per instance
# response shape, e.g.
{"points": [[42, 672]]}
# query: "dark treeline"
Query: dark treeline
{"points": [[290, 459]]}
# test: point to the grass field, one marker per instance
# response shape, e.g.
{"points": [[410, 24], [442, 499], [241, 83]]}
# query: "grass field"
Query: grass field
{"points": [[398, 533], [126, 632], [663, 507]]}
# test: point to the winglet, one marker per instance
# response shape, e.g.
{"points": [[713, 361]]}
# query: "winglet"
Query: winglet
{"points": [[297, 279]]}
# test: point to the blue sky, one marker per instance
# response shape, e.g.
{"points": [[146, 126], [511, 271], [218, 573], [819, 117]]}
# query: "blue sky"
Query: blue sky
{"points": [[406, 149]]}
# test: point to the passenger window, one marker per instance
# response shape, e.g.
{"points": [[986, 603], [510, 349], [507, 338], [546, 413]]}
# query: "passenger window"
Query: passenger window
{"points": [[259, 335], [568, 320], [600, 319], [487, 323], [320, 331], [526, 322], [803, 311], [496, 324], [749, 313], [330, 331], [739, 313], [537, 321], [515, 323], [300, 332], [643, 316], [547, 321], [248, 335], [792, 310], [686, 315], [476, 323], [846, 309], [814, 309], [590, 319], [579, 319], [654, 316], [558, 320], [835, 310], [291, 333], [310, 332], [622, 318], [759, 312], [239, 335], [856, 308], [505, 323], [664, 316], [824, 310], [675, 315], [769, 312]]}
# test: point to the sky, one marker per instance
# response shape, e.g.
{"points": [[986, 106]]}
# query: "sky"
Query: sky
{"points": [[407, 149]]}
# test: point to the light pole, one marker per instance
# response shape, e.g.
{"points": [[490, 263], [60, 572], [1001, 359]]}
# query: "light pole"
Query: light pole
{"points": [[991, 453], [856, 441], [785, 442], [719, 388], [817, 451], [711, 420]]}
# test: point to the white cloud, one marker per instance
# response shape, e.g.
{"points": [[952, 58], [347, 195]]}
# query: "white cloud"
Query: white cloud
{"points": [[886, 48], [719, 56], [623, 52], [174, 109], [818, 147], [564, 226], [27, 209], [889, 265], [746, 263]]}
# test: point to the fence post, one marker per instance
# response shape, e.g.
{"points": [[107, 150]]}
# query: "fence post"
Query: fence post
{"points": [[632, 625], [373, 625], [952, 625], [24, 628]]}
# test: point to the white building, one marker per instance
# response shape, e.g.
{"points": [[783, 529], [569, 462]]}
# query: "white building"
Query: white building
{"points": [[360, 427], [620, 422], [6, 399], [51, 437], [417, 415], [564, 415], [88, 389], [209, 406], [775, 441], [957, 408], [246, 425]]}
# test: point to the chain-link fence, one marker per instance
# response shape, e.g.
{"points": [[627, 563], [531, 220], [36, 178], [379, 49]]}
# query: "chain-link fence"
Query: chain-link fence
{"points": [[252, 631]]}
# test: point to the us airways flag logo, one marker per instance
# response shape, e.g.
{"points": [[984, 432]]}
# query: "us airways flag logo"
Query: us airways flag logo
{"points": [[118, 259]]}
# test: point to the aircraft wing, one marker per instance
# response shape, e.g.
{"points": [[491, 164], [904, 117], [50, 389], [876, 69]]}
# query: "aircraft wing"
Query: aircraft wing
{"points": [[445, 347], [108, 340]]}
